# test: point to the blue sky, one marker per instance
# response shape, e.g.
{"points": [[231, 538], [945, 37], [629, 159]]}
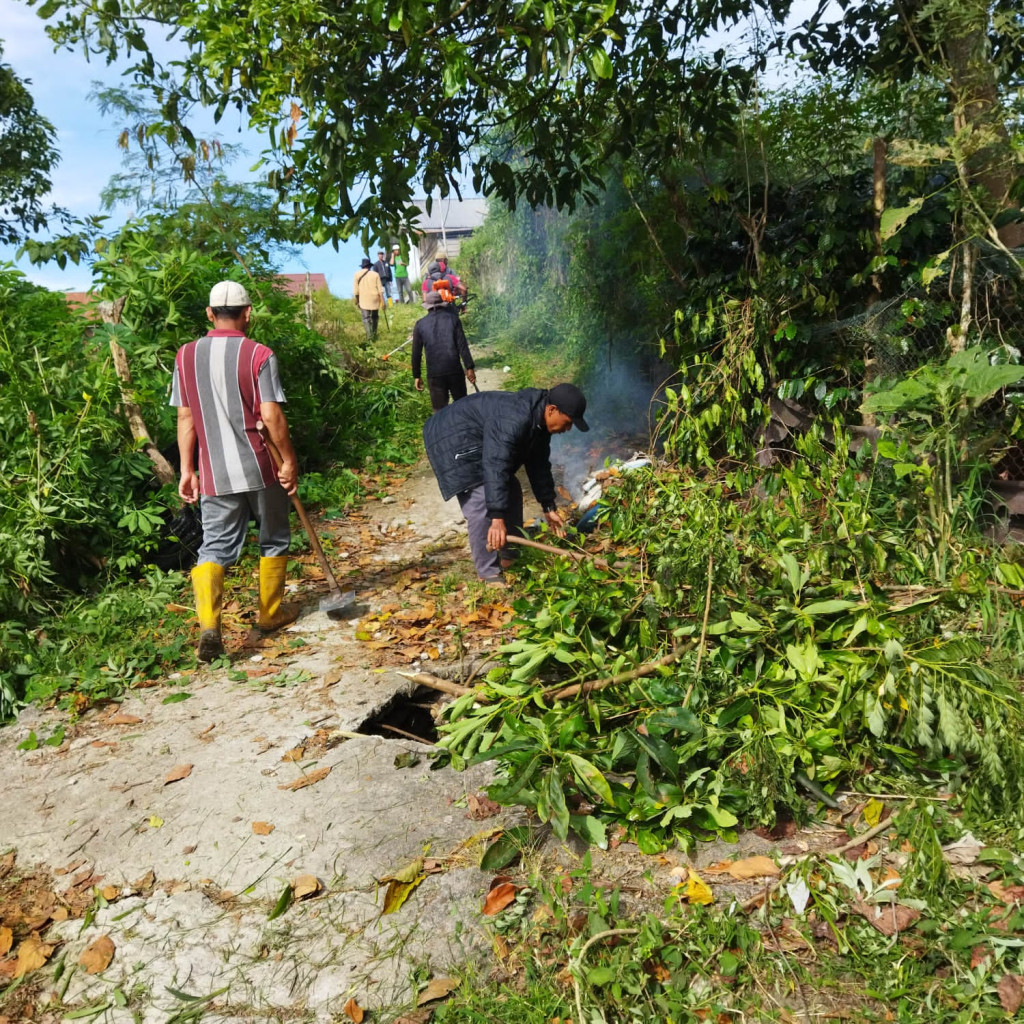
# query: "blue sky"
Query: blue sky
{"points": [[60, 83]]}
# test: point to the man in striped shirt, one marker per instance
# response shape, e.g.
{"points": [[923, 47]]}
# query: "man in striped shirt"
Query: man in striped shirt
{"points": [[224, 385]]}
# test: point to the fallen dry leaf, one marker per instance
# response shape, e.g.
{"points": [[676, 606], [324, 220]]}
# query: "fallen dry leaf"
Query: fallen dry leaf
{"points": [[964, 851], [751, 867], [438, 988], [32, 954], [415, 1016], [6, 940], [309, 779], [262, 828], [305, 885], [353, 1011], [7, 863], [888, 918], [499, 898], [481, 807], [125, 719], [97, 955], [177, 773], [295, 754], [146, 881], [1008, 894], [110, 893], [1011, 992]]}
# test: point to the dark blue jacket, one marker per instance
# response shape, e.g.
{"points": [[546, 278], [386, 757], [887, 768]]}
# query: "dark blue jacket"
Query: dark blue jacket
{"points": [[440, 335], [484, 439]]}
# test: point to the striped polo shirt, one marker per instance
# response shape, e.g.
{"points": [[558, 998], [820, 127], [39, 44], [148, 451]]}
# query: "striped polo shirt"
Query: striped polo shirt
{"points": [[222, 378]]}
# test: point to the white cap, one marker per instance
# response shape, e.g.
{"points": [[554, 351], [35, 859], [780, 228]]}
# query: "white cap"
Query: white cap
{"points": [[228, 294], [396, 248]]}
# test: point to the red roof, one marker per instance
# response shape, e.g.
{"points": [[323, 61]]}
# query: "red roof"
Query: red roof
{"points": [[296, 284]]}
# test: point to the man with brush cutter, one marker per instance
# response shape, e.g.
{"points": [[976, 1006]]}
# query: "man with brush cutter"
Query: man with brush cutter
{"points": [[477, 444], [224, 385], [440, 337]]}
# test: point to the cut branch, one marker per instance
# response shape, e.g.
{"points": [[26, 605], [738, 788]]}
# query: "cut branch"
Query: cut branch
{"points": [[560, 693]]}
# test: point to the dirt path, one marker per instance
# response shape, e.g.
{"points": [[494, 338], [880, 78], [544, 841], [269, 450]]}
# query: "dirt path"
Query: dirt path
{"points": [[194, 868]]}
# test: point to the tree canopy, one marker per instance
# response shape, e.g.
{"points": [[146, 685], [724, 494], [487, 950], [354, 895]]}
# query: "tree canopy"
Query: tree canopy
{"points": [[367, 104], [27, 157]]}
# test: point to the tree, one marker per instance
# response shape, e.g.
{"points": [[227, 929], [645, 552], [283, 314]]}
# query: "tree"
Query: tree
{"points": [[976, 50], [367, 103], [27, 157]]}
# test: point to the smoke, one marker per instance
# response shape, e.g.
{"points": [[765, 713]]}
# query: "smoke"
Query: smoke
{"points": [[624, 395]]}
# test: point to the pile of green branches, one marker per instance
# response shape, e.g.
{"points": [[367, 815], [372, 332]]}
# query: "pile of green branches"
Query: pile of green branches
{"points": [[750, 644]]}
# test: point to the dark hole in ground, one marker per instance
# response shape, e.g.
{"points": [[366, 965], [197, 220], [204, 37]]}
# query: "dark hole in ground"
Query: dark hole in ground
{"points": [[407, 715]]}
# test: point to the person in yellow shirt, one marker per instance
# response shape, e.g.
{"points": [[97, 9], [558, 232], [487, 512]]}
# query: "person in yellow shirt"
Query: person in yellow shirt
{"points": [[368, 296]]}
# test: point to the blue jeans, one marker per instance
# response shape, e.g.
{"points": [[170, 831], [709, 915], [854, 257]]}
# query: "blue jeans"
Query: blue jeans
{"points": [[226, 522]]}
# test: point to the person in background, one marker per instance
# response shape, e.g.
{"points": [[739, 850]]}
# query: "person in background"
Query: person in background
{"points": [[439, 336], [224, 385], [457, 286], [401, 272], [382, 268], [368, 296], [476, 446]]}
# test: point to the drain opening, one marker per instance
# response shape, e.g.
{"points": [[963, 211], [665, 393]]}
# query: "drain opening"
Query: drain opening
{"points": [[405, 715]]}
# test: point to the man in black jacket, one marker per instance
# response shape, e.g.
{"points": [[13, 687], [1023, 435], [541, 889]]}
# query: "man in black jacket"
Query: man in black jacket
{"points": [[440, 336], [383, 270], [475, 447]]}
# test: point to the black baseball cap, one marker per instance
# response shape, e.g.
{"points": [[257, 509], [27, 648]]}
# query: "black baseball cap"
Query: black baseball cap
{"points": [[569, 399]]}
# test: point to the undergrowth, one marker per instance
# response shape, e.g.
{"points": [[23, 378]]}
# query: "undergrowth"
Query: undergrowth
{"points": [[571, 946]]}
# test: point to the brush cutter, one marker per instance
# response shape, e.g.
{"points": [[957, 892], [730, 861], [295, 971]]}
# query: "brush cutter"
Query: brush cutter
{"points": [[388, 355], [337, 604]]}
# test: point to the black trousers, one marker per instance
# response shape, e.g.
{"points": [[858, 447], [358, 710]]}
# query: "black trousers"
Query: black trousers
{"points": [[440, 387]]}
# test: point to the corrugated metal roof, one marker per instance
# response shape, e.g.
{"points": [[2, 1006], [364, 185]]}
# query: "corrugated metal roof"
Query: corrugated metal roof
{"points": [[295, 284], [453, 215]]}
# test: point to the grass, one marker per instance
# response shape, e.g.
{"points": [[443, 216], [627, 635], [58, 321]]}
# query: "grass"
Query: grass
{"points": [[570, 948]]}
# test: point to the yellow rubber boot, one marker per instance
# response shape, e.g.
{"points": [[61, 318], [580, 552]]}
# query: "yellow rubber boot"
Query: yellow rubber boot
{"points": [[274, 614], [208, 586]]}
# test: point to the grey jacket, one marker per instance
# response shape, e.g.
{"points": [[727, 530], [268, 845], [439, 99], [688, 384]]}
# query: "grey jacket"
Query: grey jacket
{"points": [[484, 439]]}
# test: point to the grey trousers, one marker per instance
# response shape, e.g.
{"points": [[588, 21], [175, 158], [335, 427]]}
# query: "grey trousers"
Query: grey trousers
{"points": [[226, 522], [474, 508], [371, 318]]}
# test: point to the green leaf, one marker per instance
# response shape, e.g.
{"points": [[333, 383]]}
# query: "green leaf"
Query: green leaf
{"points": [[507, 848], [559, 812], [591, 778], [600, 63], [895, 217], [722, 817], [745, 622], [829, 607], [30, 742], [176, 698], [283, 903], [660, 752], [590, 829]]}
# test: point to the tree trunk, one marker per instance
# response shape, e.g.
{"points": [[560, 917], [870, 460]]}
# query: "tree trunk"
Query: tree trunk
{"points": [[979, 121], [110, 312]]}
